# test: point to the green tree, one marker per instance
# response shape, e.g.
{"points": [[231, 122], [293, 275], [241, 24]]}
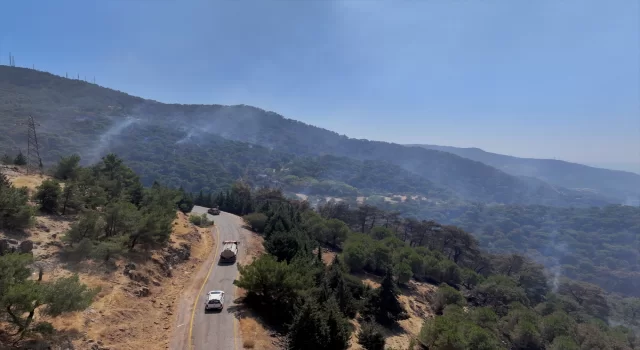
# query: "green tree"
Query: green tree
{"points": [[89, 226], [109, 248], [404, 273], [48, 195], [370, 337], [521, 326], [383, 304], [284, 245], [356, 252], [20, 296], [15, 212], [69, 197], [446, 295], [556, 325], [256, 221], [336, 232], [308, 329], [485, 318], [336, 286], [498, 291], [470, 279], [20, 159], [589, 296], [67, 168], [185, 204], [563, 343], [121, 218], [273, 287]]}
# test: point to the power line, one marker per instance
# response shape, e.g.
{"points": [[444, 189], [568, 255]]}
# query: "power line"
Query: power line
{"points": [[34, 162]]}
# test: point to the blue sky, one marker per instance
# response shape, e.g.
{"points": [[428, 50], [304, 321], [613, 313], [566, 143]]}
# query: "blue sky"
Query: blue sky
{"points": [[527, 78]]}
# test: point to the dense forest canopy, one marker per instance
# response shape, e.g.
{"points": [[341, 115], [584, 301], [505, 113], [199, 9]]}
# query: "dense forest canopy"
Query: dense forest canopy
{"points": [[597, 245], [484, 300]]}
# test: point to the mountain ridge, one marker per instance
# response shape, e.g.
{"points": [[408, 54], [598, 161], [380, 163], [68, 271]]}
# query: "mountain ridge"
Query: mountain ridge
{"points": [[77, 116], [619, 183]]}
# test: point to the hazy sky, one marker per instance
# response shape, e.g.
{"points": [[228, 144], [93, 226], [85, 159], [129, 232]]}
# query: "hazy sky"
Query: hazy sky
{"points": [[527, 78]]}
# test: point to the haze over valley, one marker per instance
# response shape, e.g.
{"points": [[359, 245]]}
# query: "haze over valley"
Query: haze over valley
{"points": [[320, 175]]}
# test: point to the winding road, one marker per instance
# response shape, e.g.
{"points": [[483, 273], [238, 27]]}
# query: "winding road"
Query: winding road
{"points": [[212, 330]]}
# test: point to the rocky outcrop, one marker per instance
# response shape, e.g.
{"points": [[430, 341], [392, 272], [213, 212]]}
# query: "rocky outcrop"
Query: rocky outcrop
{"points": [[8, 246], [173, 256], [142, 292], [179, 254], [26, 247]]}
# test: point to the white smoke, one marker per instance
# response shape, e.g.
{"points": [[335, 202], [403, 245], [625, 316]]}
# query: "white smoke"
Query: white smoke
{"points": [[558, 249], [187, 138], [93, 155]]}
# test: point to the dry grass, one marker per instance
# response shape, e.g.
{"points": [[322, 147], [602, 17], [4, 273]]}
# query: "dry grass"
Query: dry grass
{"points": [[118, 318], [255, 332], [327, 255], [414, 300], [122, 320]]}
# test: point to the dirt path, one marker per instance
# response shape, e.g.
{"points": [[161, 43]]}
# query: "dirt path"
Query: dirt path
{"points": [[195, 329]]}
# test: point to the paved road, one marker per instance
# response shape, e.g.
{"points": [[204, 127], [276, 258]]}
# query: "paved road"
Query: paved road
{"points": [[212, 330]]}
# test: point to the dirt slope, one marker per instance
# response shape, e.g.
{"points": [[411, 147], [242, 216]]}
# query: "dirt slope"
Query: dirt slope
{"points": [[134, 310]]}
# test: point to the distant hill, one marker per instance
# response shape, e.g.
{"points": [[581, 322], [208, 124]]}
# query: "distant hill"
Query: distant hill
{"points": [[622, 185], [81, 117]]}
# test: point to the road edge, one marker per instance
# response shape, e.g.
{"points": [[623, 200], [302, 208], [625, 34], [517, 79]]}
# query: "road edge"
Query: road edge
{"points": [[204, 282], [178, 339]]}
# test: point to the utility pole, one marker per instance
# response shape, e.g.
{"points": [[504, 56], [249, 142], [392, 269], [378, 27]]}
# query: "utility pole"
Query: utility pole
{"points": [[34, 162]]}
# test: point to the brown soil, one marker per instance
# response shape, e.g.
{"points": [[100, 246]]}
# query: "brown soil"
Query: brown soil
{"points": [[118, 319], [254, 331], [415, 301]]}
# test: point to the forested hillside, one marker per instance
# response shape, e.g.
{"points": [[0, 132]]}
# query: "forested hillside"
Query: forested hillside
{"points": [[623, 185], [598, 245], [483, 301], [94, 215], [83, 118]]}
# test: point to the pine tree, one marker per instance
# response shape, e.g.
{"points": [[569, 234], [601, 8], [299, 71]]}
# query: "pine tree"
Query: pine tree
{"points": [[316, 327], [20, 159], [337, 286], [337, 326], [200, 199], [383, 305], [307, 331], [370, 337]]}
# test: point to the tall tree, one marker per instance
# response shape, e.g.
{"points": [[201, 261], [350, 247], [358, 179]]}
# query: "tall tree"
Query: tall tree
{"points": [[383, 304], [48, 195], [20, 296]]}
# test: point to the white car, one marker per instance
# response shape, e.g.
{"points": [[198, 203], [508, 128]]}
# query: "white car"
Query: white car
{"points": [[215, 300]]}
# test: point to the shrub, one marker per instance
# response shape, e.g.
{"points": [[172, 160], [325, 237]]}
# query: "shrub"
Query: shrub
{"points": [[370, 337], [446, 295], [256, 221], [200, 220], [48, 194]]}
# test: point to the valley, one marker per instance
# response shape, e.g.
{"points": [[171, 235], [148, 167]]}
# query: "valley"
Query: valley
{"points": [[334, 221]]}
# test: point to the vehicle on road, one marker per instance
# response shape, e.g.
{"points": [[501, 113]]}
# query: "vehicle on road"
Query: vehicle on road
{"points": [[214, 211], [229, 251], [215, 300]]}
